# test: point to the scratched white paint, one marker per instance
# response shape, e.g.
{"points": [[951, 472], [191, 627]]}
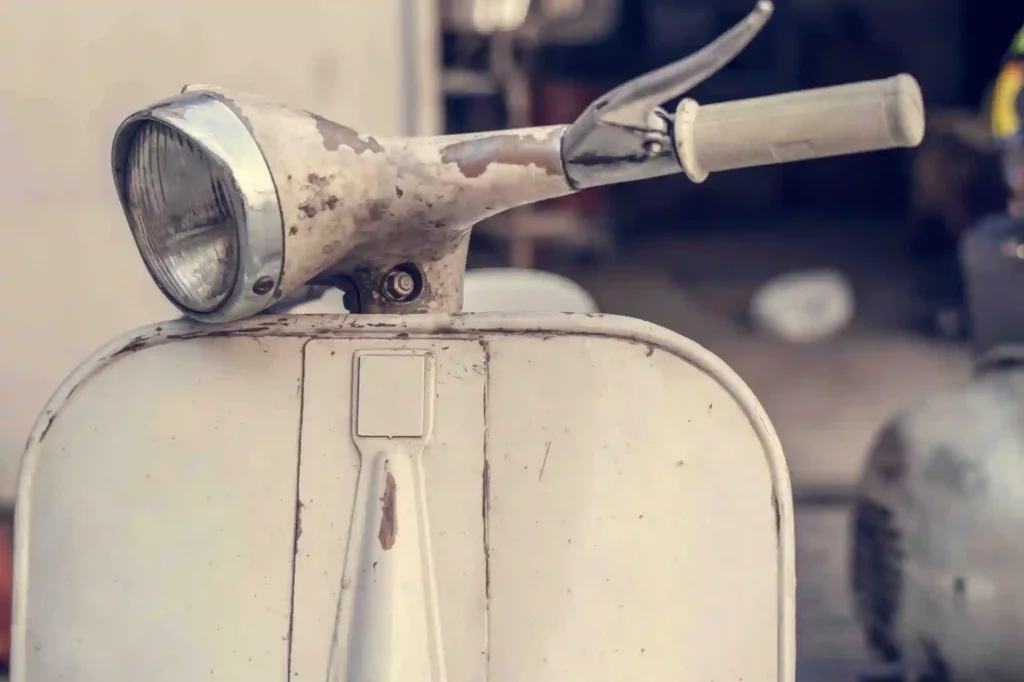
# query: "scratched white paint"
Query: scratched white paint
{"points": [[70, 278], [529, 534]]}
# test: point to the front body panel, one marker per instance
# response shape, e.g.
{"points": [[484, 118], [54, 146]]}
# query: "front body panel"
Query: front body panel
{"points": [[485, 497], [160, 516]]}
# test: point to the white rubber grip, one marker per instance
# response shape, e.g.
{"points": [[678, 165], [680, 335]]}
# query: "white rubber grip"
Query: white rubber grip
{"points": [[807, 124]]}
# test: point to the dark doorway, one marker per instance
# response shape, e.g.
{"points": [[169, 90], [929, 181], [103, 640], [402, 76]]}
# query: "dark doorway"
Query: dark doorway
{"points": [[989, 27]]}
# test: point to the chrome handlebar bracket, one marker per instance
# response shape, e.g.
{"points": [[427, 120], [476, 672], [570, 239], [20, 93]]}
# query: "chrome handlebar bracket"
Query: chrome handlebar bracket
{"points": [[626, 134]]}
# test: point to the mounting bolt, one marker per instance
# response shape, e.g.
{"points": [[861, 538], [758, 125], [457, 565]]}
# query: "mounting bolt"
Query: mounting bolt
{"points": [[653, 147], [263, 286], [399, 286]]}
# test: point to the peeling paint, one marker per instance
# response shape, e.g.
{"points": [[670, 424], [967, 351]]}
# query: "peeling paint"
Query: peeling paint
{"points": [[474, 157], [391, 201], [948, 470], [335, 136], [376, 210], [235, 109]]}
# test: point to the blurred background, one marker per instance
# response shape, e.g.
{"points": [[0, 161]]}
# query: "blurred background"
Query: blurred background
{"points": [[873, 237]]}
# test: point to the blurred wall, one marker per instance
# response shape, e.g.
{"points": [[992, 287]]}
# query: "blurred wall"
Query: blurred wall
{"points": [[70, 70]]}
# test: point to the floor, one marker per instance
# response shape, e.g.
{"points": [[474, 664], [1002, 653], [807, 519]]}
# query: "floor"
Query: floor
{"points": [[829, 644], [827, 400]]}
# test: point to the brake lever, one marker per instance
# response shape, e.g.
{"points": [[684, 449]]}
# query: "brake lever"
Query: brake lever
{"points": [[626, 134]]}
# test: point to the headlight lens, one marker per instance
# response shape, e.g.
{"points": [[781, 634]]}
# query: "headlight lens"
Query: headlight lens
{"points": [[184, 211]]}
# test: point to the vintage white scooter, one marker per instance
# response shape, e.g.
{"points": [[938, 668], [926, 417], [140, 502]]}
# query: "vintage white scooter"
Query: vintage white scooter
{"points": [[407, 493]]}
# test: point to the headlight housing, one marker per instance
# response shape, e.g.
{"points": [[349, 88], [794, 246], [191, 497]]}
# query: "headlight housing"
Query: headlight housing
{"points": [[202, 206]]}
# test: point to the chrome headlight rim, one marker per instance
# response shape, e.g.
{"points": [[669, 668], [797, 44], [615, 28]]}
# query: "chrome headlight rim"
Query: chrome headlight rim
{"points": [[215, 128]]}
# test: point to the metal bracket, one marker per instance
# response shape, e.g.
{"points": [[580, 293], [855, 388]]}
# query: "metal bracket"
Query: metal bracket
{"points": [[625, 135]]}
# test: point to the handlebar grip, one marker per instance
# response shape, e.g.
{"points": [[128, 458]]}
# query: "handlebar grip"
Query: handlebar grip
{"points": [[807, 124]]}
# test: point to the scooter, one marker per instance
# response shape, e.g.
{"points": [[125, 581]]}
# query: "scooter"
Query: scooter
{"points": [[935, 545], [937, 522], [405, 492]]}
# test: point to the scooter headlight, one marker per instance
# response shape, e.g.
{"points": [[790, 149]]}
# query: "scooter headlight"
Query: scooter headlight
{"points": [[202, 206], [183, 210]]}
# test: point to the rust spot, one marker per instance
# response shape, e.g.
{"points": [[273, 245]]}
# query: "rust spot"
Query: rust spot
{"points": [[650, 350], [294, 229], [308, 209], [889, 457], [317, 180], [331, 202], [331, 248], [473, 157], [138, 343], [376, 211], [399, 193], [298, 519], [335, 136], [388, 520]]}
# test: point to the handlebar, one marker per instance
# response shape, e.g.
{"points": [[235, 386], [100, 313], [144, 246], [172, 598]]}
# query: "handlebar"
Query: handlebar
{"points": [[808, 124], [324, 204]]}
